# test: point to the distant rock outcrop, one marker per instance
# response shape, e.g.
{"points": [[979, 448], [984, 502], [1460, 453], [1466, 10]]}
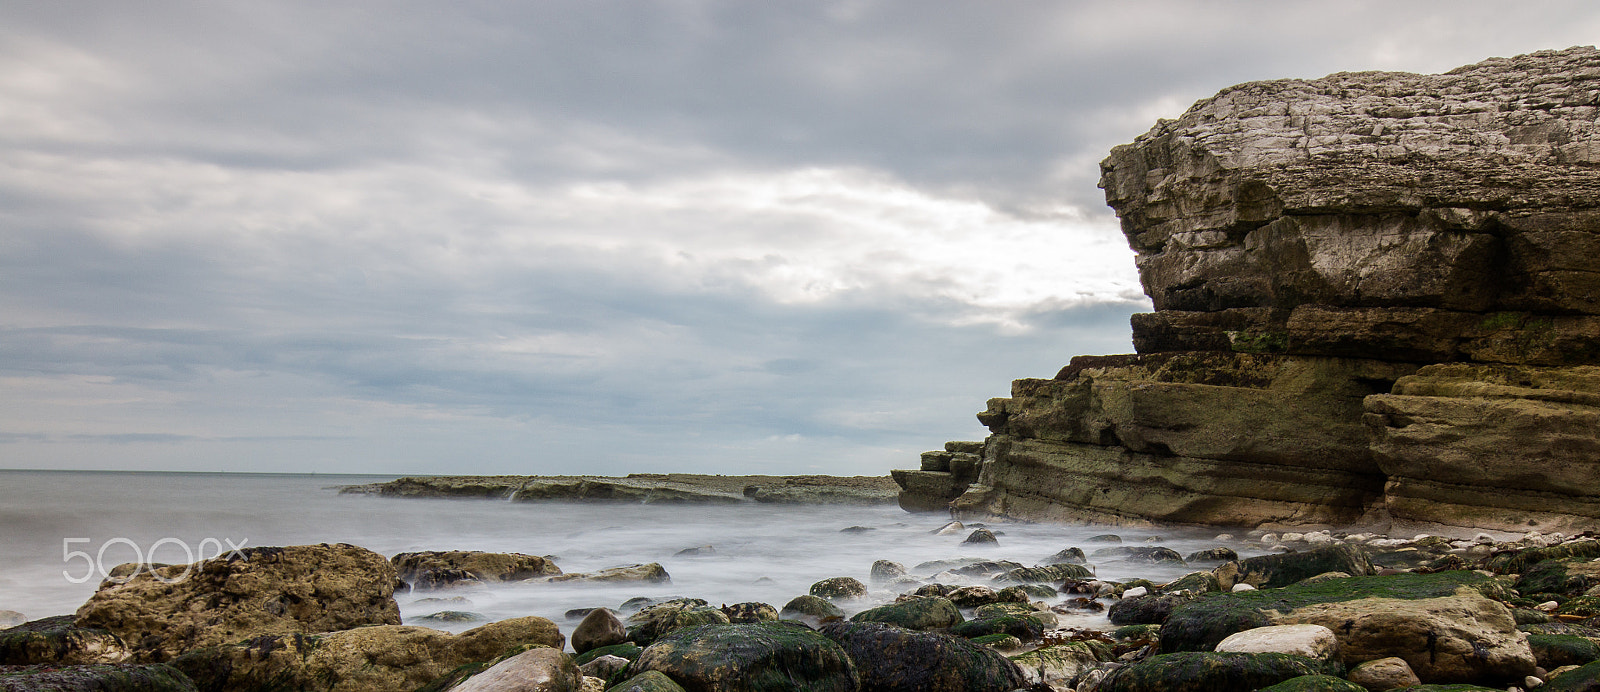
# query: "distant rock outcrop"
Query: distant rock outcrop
{"points": [[1377, 298]]}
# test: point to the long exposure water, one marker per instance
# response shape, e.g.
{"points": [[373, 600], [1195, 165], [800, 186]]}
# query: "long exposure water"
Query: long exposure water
{"points": [[57, 526]]}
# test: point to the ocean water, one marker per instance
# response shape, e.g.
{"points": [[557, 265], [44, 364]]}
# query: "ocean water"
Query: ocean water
{"points": [[58, 528]]}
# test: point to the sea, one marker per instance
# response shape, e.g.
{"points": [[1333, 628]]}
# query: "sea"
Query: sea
{"points": [[62, 531]]}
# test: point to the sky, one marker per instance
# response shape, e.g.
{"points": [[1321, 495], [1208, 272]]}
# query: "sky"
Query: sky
{"points": [[597, 237]]}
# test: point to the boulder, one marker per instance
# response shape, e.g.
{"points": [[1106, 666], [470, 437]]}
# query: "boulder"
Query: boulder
{"points": [[60, 641], [604, 667], [1380, 674], [648, 625], [1552, 651], [892, 659], [1272, 571], [534, 670], [599, 628], [885, 570], [101, 677], [1584, 678], [1315, 683], [305, 589], [652, 573], [1208, 671], [1058, 664], [649, 681], [931, 613], [810, 607], [364, 659], [1024, 627], [625, 650], [1441, 624], [440, 569], [755, 657], [750, 612], [1311, 641], [840, 589]]}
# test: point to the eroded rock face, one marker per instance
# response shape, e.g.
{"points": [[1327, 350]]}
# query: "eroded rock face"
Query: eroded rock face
{"points": [[259, 591], [1377, 296]]}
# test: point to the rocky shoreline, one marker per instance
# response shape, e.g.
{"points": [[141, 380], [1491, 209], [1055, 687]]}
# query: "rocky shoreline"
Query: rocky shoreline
{"points": [[1316, 611], [647, 488]]}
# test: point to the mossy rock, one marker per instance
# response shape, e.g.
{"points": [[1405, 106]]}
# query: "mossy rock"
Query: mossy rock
{"points": [[650, 624], [1555, 650], [1220, 554], [1585, 678], [1136, 633], [1193, 582], [916, 614], [751, 657], [1046, 574], [1209, 672], [1154, 555], [60, 641], [890, 658], [1034, 591], [994, 610], [1148, 610], [1024, 627], [103, 677], [750, 612], [1200, 624], [1315, 683], [810, 606], [839, 589], [1002, 642], [1458, 687], [626, 650], [1582, 606], [1566, 576], [1273, 571], [1557, 627], [651, 681], [1520, 561], [1061, 663]]}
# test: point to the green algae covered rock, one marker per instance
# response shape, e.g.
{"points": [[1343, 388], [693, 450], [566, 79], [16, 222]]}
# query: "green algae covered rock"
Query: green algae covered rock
{"points": [[651, 623], [840, 589], [1315, 683], [651, 681], [1519, 561], [1147, 610], [59, 641], [1046, 574], [1272, 571], [1060, 664], [105, 677], [1211, 672], [893, 659], [627, 650], [917, 614], [750, 657], [1024, 627], [1565, 576], [1199, 625], [1440, 624], [1582, 606], [1555, 650], [810, 606], [1585, 678]]}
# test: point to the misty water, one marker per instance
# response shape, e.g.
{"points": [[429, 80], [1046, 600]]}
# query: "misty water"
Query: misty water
{"points": [[764, 553]]}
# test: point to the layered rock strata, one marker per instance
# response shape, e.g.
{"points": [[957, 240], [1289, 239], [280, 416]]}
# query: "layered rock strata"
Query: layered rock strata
{"points": [[1377, 297]]}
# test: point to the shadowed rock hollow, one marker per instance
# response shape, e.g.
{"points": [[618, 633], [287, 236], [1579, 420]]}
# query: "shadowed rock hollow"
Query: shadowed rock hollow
{"points": [[1377, 299]]}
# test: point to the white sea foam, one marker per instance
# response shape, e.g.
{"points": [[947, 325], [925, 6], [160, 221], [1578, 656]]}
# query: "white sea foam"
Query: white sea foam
{"points": [[765, 553]]}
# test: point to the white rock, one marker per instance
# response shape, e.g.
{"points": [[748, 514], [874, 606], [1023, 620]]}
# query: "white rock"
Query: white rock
{"points": [[1548, 606], [1241, 586], [1135, 592], [1293, 537], [1223, 537], [1311, 641], [1483, 539], [1269, 538], [953, 527], [1531, 682]]}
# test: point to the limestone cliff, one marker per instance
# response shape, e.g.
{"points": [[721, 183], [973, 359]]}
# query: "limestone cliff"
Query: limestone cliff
{"points": [[1377, 296]]}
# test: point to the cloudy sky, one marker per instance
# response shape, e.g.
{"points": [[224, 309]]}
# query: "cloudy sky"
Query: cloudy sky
{"points": [[590, 236]]}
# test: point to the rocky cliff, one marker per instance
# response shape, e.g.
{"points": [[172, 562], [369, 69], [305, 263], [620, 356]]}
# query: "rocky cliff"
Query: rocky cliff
{"points": [[1377, 298]]}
